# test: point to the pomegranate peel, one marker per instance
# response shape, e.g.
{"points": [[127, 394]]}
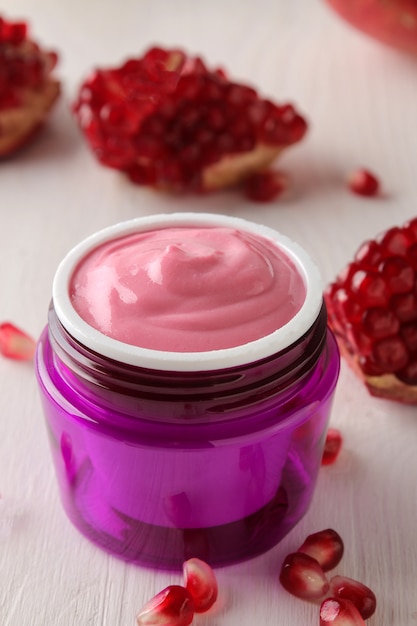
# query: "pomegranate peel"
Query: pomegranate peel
{"points": [[169, 122], [372, 306], [28, 89]]}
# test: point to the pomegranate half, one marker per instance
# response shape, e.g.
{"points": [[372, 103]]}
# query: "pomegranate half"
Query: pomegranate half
{"points": [[27, 89], [169, 122]]}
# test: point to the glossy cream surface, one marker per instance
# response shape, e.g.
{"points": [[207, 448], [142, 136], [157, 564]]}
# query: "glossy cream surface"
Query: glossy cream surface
{"points": [[187, 289]]}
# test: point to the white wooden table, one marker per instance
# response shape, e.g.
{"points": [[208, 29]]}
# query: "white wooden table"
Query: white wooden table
{"points": [[361, 102]]}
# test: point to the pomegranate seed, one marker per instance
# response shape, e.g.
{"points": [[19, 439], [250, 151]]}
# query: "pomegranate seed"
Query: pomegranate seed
{"points": [[339, 612], [359, 594], [302, 576], [201, 583], [364, 183], [325, 546], [372, 308], [168, 121], [15, 343], [332, 447], [265, 186], [171, 607]]}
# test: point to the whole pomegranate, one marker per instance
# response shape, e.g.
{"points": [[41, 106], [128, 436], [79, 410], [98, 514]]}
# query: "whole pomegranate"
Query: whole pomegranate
{"points": [[393, 22], [169, 122]]}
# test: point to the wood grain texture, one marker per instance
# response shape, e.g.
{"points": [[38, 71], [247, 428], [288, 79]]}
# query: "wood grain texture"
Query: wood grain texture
{"points": [[360, 99]]}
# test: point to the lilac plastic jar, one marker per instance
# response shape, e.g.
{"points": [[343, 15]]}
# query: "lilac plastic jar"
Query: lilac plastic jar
{"points": [[165, 456]]}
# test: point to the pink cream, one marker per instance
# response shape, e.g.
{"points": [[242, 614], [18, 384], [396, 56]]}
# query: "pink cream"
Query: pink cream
{"points": [[187, 289]]}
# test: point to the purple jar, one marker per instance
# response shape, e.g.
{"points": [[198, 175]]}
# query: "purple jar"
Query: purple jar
{"points": [[165, 456]]}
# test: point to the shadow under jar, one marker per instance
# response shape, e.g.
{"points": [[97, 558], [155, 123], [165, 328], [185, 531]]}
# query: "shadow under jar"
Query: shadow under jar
{"points": [[162, 456]]}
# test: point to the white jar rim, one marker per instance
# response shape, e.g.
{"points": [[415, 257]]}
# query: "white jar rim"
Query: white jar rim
{"points": [[251, 352]]}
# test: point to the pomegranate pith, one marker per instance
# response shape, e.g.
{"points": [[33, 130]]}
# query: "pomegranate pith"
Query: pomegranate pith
{"points": [[169, 122], [372, 310], [27, 88]]}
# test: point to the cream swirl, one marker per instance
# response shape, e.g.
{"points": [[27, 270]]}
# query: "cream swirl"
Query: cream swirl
{"points": [[187, 289]]}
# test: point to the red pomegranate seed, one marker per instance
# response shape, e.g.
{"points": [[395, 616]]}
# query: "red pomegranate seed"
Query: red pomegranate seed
{"points": [[372, 307], [171, 607], [325, 546], [15, 343], [359, 594], [364, 183], [302, 576], [200, 581], [265, 186], [332, 447], [168, 121], [339, 612]]}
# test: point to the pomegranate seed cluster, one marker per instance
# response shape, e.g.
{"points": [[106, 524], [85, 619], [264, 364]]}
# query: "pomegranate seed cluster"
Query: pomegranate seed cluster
{"points": [[23, 65], [169, 122], [176, 605], [372, 305], [343, 601]]}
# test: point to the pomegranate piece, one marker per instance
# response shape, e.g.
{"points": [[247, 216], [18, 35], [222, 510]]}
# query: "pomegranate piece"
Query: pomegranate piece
{"points": [[169, 122], [325, 546], [359, 594], [364, 183], [371, 307], [332, 447], [302, 576], [393, 22], [339, 612], [15, 343], [172, 606], [27, 89], [200, 581], [265, 186]]}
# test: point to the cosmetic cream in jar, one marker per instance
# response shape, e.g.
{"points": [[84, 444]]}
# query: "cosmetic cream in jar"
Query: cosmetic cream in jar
{"points": [[186, 376]]}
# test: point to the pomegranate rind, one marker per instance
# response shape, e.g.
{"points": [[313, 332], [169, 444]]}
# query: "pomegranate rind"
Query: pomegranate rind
{"points": [[233, 169], [19, 125]]}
